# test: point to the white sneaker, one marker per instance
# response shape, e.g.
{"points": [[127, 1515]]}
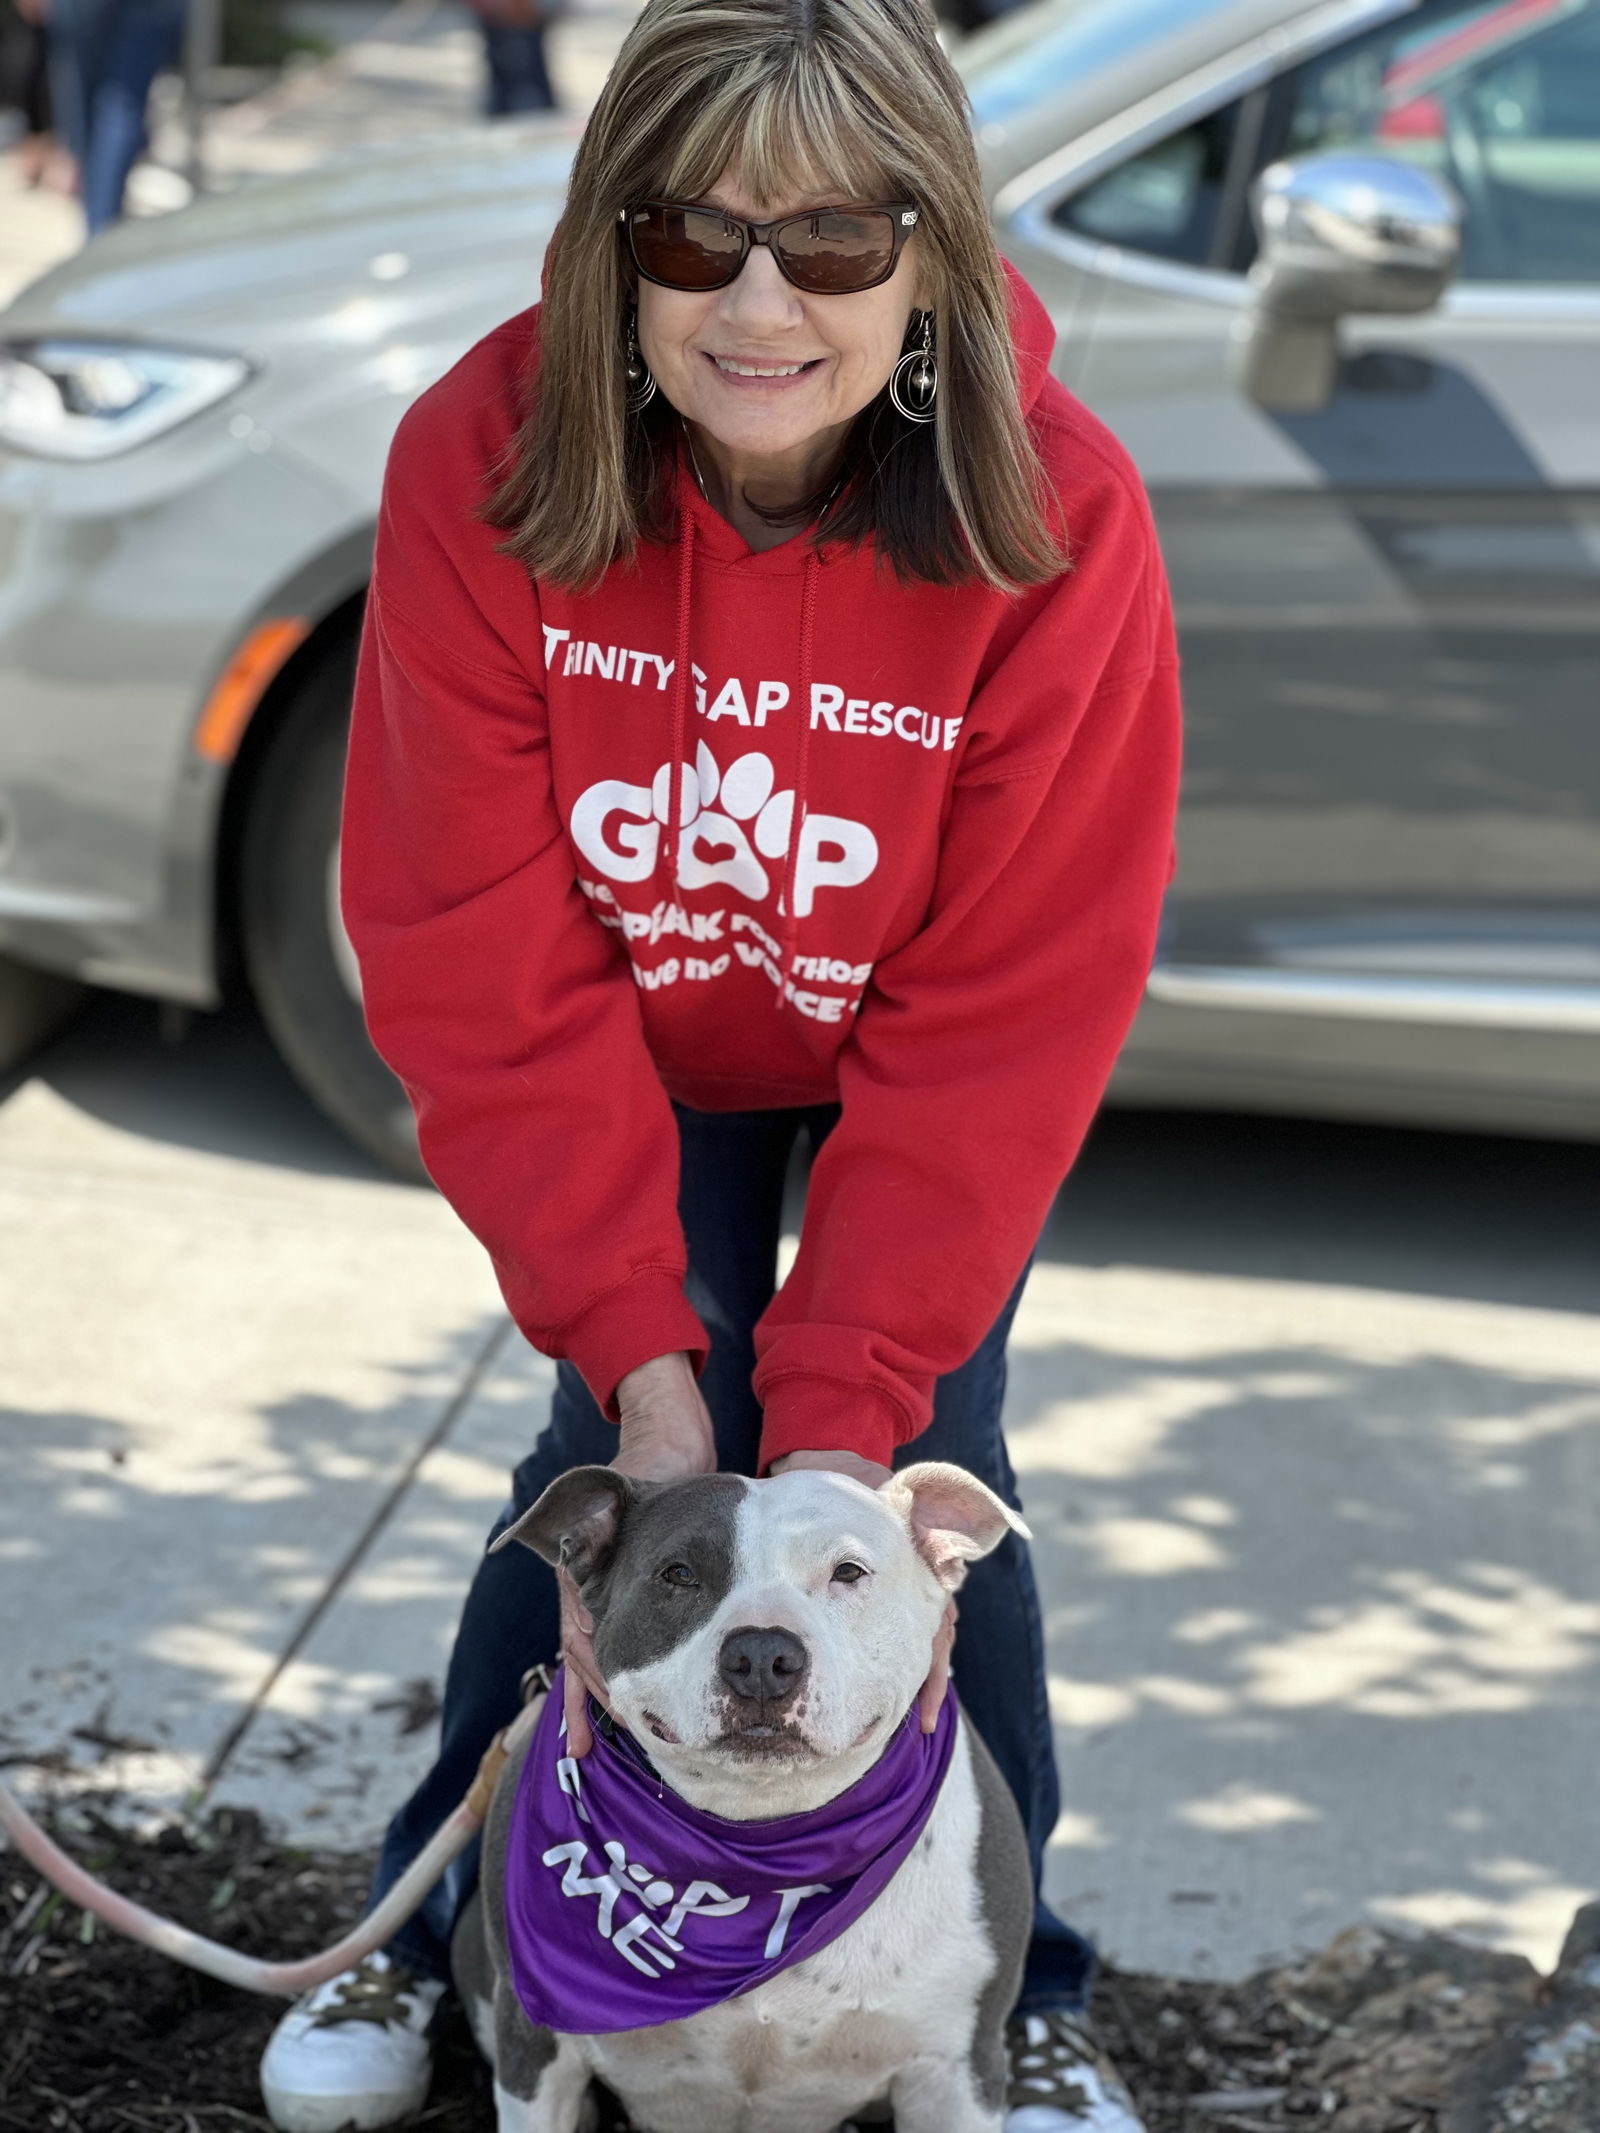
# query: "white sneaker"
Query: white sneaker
{"points": [[354, 2053], [1062, 2082]]}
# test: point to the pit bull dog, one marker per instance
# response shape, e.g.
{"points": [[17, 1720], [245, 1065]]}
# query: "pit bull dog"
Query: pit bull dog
{"points": [[830, 1920]]}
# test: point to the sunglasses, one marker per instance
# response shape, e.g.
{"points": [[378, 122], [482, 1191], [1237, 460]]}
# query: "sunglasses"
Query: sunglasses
{"points": [[830, 251]]}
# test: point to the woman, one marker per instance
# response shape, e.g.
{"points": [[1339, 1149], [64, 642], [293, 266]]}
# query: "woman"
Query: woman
{"points": [[767, 728]]}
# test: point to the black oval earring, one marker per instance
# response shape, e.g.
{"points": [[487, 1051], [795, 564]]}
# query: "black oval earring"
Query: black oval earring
{"points": [[914, 381], [641, 382]]}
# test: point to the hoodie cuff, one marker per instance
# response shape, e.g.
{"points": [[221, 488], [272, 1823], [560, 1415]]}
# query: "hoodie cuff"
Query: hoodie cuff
{"points": [[646, 1316], [810, 1414]]}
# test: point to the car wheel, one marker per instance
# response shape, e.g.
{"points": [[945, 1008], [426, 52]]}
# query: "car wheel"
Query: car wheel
{"points": [[297, 954]]}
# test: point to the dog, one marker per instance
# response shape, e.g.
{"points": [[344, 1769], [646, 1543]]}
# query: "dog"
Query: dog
{"points": [[764, 1644]]}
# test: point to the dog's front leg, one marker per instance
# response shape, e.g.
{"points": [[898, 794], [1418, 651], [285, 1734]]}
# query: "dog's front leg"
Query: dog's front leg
{"points": [[541, 2081], [936, 2095]]}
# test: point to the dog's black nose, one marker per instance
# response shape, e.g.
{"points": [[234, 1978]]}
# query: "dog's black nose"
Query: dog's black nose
{"points": [[762, 1662]]}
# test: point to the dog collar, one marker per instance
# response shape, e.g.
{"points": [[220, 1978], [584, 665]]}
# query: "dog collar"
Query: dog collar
{"points": [[626, 1907]]}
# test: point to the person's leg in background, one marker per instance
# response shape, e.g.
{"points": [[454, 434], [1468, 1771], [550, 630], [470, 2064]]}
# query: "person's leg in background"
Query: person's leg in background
{"points": [[730, 1201], [138, 39], [71, 37], [518, 77]]}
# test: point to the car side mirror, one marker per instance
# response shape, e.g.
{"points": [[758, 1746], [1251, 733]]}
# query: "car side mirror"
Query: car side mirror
{"points": [[1345, 231]]}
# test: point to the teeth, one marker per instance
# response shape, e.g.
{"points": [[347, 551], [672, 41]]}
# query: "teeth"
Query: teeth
{"points": [[757, 370]]}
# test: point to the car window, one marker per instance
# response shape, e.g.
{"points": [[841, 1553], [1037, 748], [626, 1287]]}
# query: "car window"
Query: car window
{"points": [[1165, 200], [1500, 97]]}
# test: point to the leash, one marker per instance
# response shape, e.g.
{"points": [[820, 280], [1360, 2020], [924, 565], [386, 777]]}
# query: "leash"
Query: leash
{"points": [[167, 1937]]}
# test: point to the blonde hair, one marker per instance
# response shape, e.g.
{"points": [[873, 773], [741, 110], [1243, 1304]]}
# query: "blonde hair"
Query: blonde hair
{"points": [[851, 93]]}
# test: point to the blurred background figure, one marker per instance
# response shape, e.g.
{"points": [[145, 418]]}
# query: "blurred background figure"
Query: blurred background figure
{"points": [[104, 55], [518, 80], [25, 90]]}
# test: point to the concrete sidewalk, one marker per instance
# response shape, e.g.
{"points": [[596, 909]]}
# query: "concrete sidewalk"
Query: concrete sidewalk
{"points": [[1307, 1424]]}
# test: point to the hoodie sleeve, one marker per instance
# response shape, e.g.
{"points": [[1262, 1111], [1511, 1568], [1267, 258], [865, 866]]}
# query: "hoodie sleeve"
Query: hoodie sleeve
{"points": [[491, 992], [984, 1044]]}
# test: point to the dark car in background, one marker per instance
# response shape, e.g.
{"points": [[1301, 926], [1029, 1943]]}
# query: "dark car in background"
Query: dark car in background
{"points": [[1331, 271]]}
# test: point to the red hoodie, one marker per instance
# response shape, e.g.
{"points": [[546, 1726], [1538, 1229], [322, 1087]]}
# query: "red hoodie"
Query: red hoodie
{"points": [[931, 898]]}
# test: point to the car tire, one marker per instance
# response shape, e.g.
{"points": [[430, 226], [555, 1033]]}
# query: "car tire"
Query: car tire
{"points": [[296, 953]]}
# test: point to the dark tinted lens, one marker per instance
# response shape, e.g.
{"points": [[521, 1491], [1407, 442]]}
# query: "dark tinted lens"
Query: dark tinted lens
{"points": [[686, 247], [832, 253]]}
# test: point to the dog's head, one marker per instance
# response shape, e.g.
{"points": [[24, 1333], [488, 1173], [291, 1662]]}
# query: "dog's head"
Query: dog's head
{"points": [[762, 1639]]}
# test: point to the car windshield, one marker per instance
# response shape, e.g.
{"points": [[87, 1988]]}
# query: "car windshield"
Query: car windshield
{"points": [[1030, 52]]}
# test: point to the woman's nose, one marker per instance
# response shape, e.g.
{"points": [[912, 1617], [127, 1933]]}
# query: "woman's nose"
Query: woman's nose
{"points": [[759, 299]]}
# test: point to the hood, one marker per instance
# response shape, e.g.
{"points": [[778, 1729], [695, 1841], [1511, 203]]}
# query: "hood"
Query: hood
{"points": [[246, 267], [347, 289], [1033, 336]]}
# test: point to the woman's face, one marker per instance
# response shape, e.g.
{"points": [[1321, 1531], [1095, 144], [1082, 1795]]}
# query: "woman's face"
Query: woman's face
{"points": [[763, 367]]}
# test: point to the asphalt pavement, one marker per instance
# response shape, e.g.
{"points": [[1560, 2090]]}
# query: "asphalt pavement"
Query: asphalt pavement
{"points": [[1307, 1421]]}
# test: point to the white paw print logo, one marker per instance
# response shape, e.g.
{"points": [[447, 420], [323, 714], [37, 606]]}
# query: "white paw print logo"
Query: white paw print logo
{"points": [[716, 847], [617, 827]]}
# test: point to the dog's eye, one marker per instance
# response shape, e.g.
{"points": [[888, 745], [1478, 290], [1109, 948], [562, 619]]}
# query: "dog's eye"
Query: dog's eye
{"points": [[679, 1574], [848, 1573]]}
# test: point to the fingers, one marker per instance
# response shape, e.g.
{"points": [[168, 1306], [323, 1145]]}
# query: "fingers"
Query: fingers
{"points": [[582, 1678], [930, 1698], [575, 1706], [866, 1471]]}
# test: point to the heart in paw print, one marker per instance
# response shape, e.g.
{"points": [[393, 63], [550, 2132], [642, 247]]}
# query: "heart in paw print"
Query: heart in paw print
{"points": [[718, 845]]}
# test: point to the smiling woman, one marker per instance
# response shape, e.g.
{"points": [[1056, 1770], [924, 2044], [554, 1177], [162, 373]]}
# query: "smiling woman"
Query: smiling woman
{"points": [[766, 730], [771, 292]]}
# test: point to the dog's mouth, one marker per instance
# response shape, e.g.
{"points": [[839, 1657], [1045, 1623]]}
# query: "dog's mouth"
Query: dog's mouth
{"points": [[759, 1739], [764, 1743]]}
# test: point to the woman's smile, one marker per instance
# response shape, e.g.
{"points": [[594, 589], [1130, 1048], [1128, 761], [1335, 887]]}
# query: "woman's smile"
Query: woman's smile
{"points": [[744, 372]]}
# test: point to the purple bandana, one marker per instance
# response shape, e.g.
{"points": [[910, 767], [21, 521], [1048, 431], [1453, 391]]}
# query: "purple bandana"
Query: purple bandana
{"points": [[626, 1907]]}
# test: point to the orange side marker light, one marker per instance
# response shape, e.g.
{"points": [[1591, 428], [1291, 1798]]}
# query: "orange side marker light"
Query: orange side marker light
{"points": [[242, 684]]}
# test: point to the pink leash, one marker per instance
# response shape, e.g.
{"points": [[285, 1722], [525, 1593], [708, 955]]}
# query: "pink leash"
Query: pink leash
{"points": [[289, 1979]]}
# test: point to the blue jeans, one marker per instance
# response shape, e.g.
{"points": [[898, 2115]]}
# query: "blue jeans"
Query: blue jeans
{"points": [[104, 54], [730, 1199], [519, 80]]}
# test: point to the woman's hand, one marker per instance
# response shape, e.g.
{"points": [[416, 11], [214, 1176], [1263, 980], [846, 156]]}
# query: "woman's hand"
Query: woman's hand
{"points": [[930, 1697], [666, 1436], [851, 1464], [666, 1426]]}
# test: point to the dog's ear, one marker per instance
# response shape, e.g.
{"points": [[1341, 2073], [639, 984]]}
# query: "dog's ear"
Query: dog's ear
{"points": [[953, 1518], [575, 1522]]}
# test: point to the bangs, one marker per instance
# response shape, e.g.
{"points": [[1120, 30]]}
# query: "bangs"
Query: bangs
{"points": [[779, 133]]}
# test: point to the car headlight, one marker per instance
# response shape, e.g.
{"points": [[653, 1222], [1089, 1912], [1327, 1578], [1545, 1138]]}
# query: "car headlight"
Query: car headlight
{"points": [[64, 399]]}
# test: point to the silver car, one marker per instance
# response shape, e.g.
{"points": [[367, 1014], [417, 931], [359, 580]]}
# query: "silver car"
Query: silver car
{"points": [[1332, 272]]}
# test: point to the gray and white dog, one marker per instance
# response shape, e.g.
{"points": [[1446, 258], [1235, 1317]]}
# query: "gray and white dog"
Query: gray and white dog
{"points": [[904, 2011]]}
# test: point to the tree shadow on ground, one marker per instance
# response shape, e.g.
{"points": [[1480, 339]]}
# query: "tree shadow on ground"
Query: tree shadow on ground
{"points": [[1323, 1630]]}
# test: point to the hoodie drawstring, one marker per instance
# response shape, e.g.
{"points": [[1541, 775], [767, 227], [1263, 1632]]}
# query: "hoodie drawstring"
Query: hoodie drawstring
{"points": [[669, 860], [672, 837], [789, 923]]}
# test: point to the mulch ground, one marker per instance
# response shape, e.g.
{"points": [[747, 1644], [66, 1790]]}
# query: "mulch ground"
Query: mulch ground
{"points": [[99, 2035]]}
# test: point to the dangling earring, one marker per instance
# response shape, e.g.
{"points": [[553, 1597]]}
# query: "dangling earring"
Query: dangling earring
{"points": [[914, 381], [641, 384]]}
